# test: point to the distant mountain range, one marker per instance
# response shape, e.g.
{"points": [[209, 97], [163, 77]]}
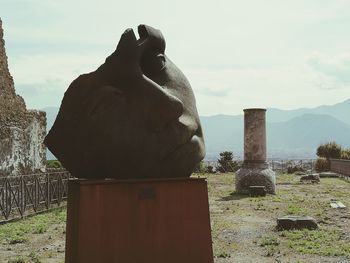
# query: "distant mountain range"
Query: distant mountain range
{"points": [[290, 133]]}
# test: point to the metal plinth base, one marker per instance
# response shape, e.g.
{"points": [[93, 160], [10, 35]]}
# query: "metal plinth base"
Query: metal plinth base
{"points": [[138, 221]]}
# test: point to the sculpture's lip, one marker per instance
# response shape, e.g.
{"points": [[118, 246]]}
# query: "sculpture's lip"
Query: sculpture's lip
{"points": [[175, 157], [194, 139]]}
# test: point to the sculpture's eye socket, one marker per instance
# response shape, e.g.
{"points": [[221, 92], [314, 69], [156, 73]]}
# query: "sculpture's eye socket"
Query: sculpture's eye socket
{"points": [[152, 62]]}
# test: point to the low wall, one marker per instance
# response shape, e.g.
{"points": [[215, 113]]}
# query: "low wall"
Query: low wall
{"points": [[340, 166]]}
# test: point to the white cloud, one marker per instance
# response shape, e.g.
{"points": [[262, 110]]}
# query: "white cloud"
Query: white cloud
{"points": [[336, 68], [236, 54], [43, 79], [288, 87]]}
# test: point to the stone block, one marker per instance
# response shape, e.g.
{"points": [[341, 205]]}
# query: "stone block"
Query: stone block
{"points": [[328, 175], [296, 222], [312, 178], [255, 191]]}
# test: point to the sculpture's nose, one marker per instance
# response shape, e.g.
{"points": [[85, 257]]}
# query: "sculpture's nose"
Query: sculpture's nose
{"points": [[165, 108]]}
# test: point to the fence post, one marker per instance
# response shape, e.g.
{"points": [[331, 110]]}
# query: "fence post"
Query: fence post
{"points": [[21, 196], [7, 206], [48, 191]]}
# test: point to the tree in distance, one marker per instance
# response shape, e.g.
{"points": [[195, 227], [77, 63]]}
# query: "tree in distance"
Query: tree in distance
{"points": [[226, 163], [330, 150], [327, 151]]}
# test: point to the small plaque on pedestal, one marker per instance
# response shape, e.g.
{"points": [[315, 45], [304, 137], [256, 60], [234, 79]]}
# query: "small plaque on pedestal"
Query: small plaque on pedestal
{"points": [[138, 221]]}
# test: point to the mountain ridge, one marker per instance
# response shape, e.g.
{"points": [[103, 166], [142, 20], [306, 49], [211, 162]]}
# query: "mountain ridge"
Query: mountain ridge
{"points": [[290, 133]]}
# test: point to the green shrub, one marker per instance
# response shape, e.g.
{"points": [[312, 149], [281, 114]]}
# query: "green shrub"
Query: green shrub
{"points": [[210, 169], [329, 150], [345, 154], [200, 168], [226, 163], [322, 165]]}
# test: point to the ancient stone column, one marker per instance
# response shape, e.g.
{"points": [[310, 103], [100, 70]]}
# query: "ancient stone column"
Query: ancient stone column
{"points": [[255, 170]]}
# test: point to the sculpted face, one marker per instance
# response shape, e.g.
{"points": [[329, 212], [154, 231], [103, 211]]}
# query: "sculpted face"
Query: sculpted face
{"points": [[134, 117]]}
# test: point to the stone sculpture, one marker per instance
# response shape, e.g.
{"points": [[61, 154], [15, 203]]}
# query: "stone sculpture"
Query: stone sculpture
{"points": [[134, 117]]}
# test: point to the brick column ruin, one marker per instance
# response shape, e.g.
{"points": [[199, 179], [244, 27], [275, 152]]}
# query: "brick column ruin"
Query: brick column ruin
{"points": [[255, 170]]}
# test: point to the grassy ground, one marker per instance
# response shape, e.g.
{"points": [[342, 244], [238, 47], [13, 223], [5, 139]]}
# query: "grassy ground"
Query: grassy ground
{"points": [[39, 238], [243, 228]]}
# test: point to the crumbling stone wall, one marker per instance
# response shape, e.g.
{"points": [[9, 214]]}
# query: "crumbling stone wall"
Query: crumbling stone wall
{"points": [[21, 131]]}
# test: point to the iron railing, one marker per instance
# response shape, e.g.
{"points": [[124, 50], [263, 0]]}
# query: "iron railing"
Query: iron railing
{"points": [[28, 194], [278, 165], [283, 165]]}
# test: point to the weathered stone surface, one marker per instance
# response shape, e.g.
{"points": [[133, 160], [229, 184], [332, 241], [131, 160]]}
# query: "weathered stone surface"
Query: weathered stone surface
{"points": [[21, 131], [134, 117], [257, 190], [337, 204], [313, 178], [248, 176], [296, 222], [328, 175], [254, 135], [255, 170]]}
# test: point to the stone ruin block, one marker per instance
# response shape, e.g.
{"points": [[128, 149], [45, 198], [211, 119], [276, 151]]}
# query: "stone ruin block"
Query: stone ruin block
{"points": [[296, 222], [257, 190], [311, 178], [22, 131]]}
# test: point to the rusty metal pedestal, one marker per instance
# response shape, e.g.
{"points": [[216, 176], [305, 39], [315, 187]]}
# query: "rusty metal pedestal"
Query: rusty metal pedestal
{"points": [[136, 221]]}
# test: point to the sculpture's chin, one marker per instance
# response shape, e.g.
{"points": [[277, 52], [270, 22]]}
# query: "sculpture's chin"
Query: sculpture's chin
{"points": [[180, 162]]}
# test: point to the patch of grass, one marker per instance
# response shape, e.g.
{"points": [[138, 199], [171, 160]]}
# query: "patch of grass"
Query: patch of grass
{"points": [[320, 242], [260, 206], [34, 257], [270, 244], [222, 249], [286, 178], [40, 228], [269, 241], [219, 185], [18, 260], [295, 210], [16, 239], [20, 231], [224, 255]]}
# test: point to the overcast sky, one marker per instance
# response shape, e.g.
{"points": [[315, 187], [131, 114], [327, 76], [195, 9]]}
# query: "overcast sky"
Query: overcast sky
{"points": [[237, 54]]}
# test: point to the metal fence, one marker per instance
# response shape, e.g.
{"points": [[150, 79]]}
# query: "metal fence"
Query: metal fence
{"points": [[340, 166], [278, 165], [29, 194], [283, 165]]}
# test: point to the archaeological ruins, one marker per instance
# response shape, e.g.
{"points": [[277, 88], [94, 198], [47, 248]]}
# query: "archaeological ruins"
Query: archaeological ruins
{"points": [[22, 131]]}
